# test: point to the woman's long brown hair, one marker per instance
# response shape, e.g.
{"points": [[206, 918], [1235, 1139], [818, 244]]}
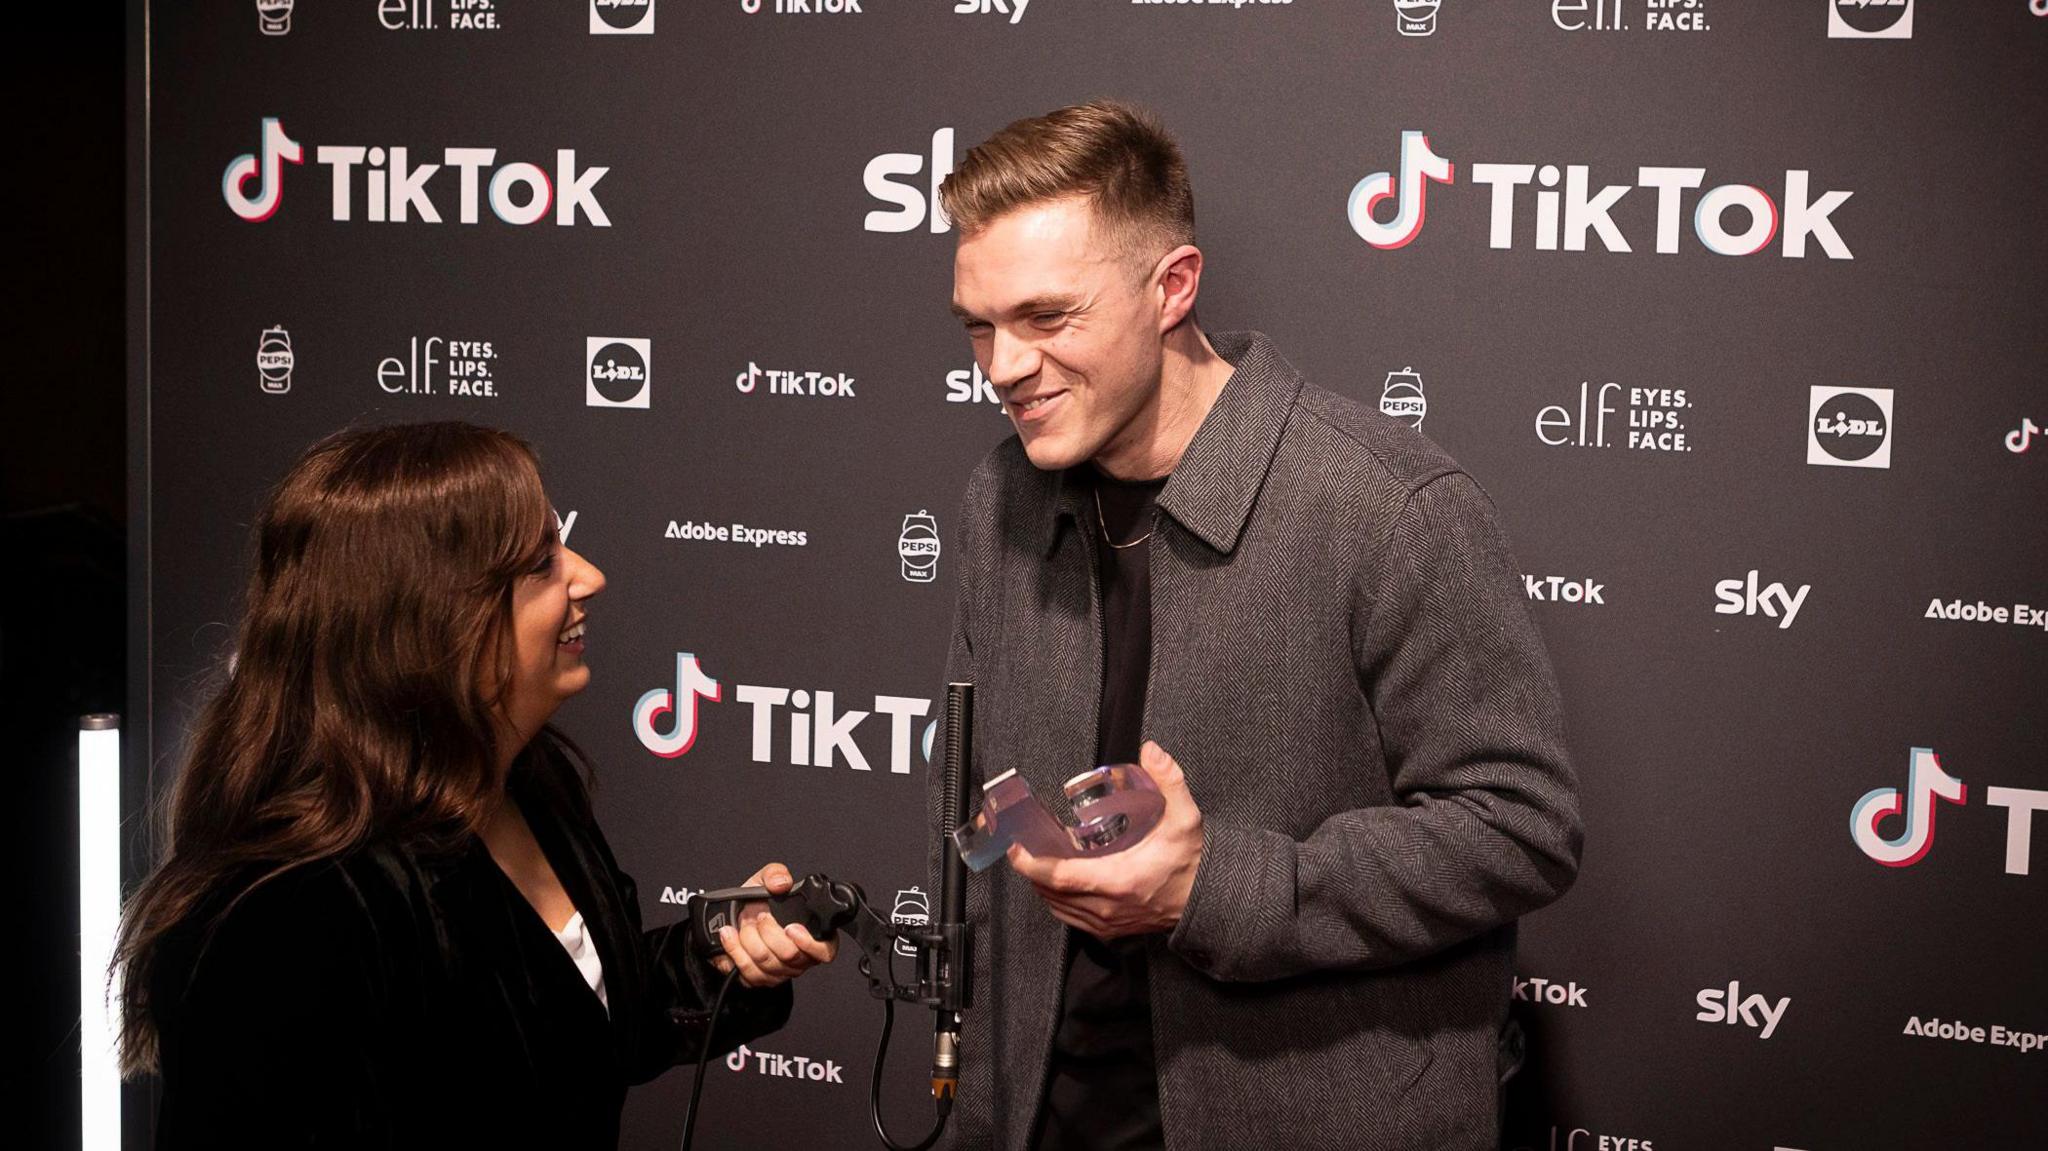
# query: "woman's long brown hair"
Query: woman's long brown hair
{"points": [[358, 704]]}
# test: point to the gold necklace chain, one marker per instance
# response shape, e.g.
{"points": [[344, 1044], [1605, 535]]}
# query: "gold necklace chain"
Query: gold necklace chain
{"points": [[1103, 524]]}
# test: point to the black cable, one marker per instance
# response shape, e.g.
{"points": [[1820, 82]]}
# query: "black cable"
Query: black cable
{"points": [[944, 1105], [704, 1058]]}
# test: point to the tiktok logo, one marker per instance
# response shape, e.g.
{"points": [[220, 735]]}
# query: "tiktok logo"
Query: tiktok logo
{"points": [[392, 189], [1924, 781], [1572, 208], [820, 730], [691, 683], [1418, 162], [2018, 439], [277, 149]]}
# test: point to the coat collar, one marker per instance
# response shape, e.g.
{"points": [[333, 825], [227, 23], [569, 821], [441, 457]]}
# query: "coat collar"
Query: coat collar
{"points": [[1212, 490]]}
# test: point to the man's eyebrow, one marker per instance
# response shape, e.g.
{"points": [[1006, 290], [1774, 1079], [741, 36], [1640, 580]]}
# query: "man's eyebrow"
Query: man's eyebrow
{"points": [[1048, 303]]}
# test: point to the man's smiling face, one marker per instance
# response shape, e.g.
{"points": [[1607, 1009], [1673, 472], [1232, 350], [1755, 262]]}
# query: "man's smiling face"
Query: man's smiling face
{"points": [[1058, 318]]}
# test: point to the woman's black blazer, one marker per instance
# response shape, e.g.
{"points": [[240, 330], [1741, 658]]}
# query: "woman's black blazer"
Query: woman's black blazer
{"points": [[401, 997]]}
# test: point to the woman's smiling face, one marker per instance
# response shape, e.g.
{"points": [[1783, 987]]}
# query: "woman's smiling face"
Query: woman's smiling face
{"points": [[549, 607]]}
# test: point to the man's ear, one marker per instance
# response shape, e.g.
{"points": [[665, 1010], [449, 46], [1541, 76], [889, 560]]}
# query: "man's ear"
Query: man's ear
{"points": [[1176, 281]]}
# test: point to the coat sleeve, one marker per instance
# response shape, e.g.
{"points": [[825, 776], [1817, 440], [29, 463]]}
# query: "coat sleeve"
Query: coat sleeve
{"points": [[278, 1031], [1484, 826], [681, 988]]}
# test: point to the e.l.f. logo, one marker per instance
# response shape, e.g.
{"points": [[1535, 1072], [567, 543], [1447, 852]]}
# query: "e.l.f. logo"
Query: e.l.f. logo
{"points": [[1418, 164], [276, 149], [1924, 781]]}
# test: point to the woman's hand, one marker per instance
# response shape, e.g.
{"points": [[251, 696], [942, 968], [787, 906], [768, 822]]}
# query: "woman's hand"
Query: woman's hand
{"points": [[765, 952]]}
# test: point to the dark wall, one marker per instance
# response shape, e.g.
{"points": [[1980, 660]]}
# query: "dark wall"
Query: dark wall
{"points": [[63, 512], [1683, 444]]}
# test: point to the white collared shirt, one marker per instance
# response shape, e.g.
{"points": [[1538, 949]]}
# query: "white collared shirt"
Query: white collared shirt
{"points": [[583, 950]]}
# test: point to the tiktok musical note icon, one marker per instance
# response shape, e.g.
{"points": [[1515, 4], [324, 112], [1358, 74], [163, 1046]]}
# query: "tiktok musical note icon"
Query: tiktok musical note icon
{"points": [[1925, 782], [2016, 440], [1420, 166]]}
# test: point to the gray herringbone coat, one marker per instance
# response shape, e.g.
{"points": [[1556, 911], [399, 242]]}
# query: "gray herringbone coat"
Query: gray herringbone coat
{"points": [[1343, 663]]}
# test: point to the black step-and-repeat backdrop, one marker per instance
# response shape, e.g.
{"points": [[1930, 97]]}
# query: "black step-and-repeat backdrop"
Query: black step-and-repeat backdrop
{"points": [[1735, 307]]}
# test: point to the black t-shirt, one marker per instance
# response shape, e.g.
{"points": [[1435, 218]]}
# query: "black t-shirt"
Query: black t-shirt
{"points": [[1102, 1089]]}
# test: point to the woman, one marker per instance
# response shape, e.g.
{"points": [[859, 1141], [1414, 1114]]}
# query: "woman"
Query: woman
{"points": [[386, 917]]}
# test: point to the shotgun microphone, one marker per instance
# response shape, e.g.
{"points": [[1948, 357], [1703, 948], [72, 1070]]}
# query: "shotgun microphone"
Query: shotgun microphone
{"points": [[954, 964]]}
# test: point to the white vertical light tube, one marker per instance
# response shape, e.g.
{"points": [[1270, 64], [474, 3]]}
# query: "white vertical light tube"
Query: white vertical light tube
{"points": [[99, 915]]}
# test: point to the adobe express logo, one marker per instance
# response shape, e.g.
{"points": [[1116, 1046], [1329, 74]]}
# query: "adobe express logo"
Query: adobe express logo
{"points": [[395, 190], [1728, 220]]}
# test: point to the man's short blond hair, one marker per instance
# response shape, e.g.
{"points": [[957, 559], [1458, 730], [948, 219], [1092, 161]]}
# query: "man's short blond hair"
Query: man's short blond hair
{"points": [[1116, 155]]}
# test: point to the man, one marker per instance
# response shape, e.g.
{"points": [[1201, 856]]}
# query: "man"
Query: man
{"points": [[1307, 613]]}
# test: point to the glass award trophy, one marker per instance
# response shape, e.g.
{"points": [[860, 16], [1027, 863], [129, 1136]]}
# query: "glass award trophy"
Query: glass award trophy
{"points": [[1114, 807]]}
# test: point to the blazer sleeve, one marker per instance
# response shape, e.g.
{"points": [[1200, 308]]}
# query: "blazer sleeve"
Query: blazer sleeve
{"points": [[681, 988], [276, 1032], [1484, 826]]}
